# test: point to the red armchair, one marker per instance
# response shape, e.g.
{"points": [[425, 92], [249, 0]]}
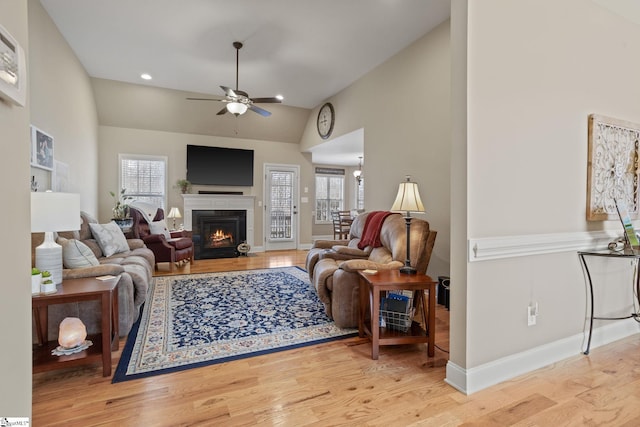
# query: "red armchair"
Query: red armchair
{"points": [[177, 248]]}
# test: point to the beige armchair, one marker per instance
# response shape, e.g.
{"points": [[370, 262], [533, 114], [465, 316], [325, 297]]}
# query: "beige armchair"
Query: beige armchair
{"points": [[333, 265]]}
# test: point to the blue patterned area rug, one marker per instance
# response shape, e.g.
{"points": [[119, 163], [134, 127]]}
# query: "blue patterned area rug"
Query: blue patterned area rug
{"points": [[196, 320]]}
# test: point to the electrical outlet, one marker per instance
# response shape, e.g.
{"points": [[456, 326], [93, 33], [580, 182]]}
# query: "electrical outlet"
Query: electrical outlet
{"points": [[532, 313]]}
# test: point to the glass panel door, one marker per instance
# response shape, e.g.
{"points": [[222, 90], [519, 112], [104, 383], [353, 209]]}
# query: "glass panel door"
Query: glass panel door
{"points": [[281, 213]]}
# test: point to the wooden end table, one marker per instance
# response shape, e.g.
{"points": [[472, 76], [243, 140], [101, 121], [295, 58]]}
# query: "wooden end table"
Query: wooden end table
{"points": [[392, 280], [70, 291]]}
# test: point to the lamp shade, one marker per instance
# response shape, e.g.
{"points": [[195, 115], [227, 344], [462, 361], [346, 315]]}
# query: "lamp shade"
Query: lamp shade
{"points": [[55, 211], [236, 108], [174, 213], [408, 198]]}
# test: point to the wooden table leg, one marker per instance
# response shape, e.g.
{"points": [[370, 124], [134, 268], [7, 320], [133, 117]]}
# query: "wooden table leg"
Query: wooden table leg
{"points": [[374, 298], [363, 307], [432, 321], [42, 324], [115, 321], [106, 333]]}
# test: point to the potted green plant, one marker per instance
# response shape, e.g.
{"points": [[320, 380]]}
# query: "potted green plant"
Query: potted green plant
{"points": [[47, 285], [184, 186], [121, 208], [36, 280]]}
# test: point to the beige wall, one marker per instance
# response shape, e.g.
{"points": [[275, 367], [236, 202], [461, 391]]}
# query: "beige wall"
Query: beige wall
{"points": [[60, 102], [404, 107], [63, 106], [15, 259], [114, 140], [146, 107], [528, 98]]}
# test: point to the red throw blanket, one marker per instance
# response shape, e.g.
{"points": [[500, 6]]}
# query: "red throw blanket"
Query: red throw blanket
{"points": [[372, 228]]}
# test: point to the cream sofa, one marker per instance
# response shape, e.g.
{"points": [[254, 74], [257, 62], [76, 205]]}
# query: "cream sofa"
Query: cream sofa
{"points": [[333, 265], [134, 268]]}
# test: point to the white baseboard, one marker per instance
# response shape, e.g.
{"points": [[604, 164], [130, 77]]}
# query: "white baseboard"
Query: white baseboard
{"points": [[469, 381]]}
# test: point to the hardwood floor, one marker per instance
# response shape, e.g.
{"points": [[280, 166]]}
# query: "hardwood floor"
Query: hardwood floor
{"points": [[337, 383]]}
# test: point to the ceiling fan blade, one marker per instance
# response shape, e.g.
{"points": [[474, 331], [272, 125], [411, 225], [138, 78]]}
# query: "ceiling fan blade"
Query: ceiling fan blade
{"points": [[259, 110], [272, 100], [228, 91], [205, 99], [221, 112]]}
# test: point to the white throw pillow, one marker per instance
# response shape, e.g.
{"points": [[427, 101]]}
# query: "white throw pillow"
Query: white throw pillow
{"points": [[159, 227], [76, 254], [110, 238]]}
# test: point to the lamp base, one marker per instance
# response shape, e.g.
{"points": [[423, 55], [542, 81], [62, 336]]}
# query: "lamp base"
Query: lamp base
{"points": [[408, 270], [49, 258]]}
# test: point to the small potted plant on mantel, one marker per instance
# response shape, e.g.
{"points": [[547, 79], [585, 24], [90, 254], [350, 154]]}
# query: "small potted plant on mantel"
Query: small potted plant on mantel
{"points": [[121, 209], [184, 186]]}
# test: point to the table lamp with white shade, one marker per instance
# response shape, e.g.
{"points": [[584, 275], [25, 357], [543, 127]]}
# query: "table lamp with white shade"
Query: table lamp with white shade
{"points": [[408, 200], [174, 213], [53, 212]]}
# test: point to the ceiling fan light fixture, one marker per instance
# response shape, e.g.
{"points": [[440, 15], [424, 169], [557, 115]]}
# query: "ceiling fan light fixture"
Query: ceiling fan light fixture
{"points": [[236, 108]]}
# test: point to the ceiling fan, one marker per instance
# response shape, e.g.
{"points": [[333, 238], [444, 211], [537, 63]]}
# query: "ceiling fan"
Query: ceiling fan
{"points": [[238, 101]]}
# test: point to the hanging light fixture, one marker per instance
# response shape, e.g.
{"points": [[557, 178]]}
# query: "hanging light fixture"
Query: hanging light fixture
{"points": [[237, 108], [357, 174]]}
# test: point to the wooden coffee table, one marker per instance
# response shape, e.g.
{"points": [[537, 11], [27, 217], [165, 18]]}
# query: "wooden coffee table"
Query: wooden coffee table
{"points": [[76, 290], [392, 280]]}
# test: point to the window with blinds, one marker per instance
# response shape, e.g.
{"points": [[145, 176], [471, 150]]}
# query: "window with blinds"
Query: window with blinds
{"points": [[329, 196], [144, 178]]}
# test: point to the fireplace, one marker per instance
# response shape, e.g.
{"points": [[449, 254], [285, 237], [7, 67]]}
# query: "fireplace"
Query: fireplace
{"points": [[217, 233]]}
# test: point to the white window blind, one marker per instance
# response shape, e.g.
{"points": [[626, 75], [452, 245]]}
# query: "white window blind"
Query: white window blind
{"points": [[329, 196], [144, 178]]}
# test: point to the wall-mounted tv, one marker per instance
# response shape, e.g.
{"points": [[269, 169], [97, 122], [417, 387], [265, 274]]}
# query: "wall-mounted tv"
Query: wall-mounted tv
{"points": [[219, 166]]}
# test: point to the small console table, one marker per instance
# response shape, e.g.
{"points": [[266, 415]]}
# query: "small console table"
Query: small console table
{"points": [[75, 290], [392, 280], [628, 255]]}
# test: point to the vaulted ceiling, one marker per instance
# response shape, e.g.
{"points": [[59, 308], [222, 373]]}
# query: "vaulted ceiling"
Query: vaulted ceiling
{"points": [[306, 50]]}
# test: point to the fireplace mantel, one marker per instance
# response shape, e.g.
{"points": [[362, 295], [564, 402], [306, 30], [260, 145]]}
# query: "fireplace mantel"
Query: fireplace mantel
{"points": [[196, 202]]}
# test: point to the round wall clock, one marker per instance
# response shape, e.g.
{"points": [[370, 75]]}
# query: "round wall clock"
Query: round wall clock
{"points": [[326, 117]]}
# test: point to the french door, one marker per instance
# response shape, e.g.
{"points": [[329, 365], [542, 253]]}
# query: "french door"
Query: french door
{"points": [[281, 207]]}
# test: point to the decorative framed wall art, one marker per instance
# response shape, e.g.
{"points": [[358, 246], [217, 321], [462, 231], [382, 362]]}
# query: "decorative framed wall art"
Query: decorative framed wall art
{"points": [[41, 149], [13, 69], [612, 169]]}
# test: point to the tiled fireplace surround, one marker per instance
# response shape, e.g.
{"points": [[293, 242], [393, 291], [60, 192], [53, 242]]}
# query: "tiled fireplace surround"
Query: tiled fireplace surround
{"points": [[204, 202]]}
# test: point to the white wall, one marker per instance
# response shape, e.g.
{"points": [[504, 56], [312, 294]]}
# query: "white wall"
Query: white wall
{"points": [[15, 293], [536, 70], [59, 100]]}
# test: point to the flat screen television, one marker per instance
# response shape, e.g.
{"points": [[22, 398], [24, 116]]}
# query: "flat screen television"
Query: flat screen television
{"points": [[219, 166]]}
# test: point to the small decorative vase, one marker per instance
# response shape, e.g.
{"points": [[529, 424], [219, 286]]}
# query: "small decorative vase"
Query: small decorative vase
{"points": [[36, 280]]}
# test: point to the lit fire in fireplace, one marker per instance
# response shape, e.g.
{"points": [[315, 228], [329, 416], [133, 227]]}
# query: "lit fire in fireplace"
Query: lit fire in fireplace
{"points": [[220, 238]]}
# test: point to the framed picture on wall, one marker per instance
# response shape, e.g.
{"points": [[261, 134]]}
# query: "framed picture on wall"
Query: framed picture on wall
{"points": [[41, 149], [613, 168]]}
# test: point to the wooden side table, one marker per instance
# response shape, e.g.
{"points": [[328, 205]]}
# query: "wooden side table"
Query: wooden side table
{"points": [[392, 280], [76, 290]]}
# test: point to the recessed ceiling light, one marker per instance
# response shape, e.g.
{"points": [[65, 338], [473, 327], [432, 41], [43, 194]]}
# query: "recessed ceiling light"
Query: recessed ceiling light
{"points": [[145, 76], [280, 97]]}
